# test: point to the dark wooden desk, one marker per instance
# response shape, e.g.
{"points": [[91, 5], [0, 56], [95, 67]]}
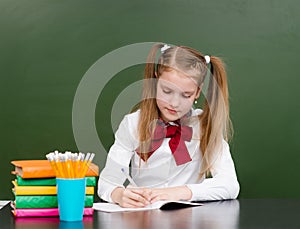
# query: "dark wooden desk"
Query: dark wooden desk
{"points": [[243, 213]]}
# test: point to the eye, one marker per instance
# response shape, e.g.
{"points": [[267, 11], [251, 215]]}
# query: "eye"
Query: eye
{"points": [[167, 91], [187, 96]]}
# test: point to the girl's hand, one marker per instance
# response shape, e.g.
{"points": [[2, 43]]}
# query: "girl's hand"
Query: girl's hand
{"points": [[173, 193], [131, 197]]}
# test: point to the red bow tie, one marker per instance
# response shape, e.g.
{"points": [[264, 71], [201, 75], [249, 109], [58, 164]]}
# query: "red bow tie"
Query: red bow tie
{"points": [[178, 135]]}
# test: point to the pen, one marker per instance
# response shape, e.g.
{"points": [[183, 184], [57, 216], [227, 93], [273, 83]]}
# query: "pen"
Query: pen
{"points": [[128, 177]]}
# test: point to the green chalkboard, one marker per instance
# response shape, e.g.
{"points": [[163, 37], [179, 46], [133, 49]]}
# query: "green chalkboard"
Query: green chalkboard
{"points": [[47, 47]]}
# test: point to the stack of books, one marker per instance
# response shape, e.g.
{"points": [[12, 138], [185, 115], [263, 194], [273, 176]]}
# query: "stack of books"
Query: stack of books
{"points": [[34, 189]]}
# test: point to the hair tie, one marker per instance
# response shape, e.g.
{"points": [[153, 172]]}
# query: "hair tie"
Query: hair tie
{"points": [[164, 48], [207, 59]]}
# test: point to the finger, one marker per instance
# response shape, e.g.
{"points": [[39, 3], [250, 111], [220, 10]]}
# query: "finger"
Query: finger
{"points": [[159, 196], [154, 200], [130, 203], [147, 193], [137, 190], [154, 197], [130, 199], [144, 193], [136, 196]]}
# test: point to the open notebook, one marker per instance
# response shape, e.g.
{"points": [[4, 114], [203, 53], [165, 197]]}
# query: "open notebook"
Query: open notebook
{"points": [[162, 205]]}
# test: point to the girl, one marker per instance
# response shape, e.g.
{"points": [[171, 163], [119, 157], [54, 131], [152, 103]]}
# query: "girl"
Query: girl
{"points": [[169, 146]]}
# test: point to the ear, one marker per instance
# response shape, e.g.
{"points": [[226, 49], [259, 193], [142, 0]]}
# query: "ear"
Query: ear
{"points": [[198, 91]]}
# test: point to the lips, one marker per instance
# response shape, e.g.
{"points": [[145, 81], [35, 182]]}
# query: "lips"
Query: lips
{"points": [[171, 111]]}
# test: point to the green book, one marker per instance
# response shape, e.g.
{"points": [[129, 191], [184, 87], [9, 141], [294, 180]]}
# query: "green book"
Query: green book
{"points": [[90, 181], [45, 201]]}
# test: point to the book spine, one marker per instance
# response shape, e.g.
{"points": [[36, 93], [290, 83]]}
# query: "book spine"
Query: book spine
{"points": [[36, 181], [90, 181], [44, 201], [43, 169], [37, 172], [43, 190], [44, 212]]}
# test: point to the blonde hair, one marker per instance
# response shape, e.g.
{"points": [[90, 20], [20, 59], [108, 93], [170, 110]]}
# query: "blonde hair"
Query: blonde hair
{"points": [[214, 120]]}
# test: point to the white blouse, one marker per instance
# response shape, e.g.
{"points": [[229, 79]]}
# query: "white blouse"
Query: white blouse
{"points": [[160, 170]]}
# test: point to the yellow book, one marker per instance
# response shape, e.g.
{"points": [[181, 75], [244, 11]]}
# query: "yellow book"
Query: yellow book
{"points": [[41, 190]]}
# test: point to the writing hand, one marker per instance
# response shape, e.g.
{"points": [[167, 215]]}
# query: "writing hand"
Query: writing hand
{"points": [[131, 197]]}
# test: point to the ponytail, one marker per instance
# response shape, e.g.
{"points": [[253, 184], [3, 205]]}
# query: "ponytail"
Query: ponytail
{"points": [[148, 109], [215, 121]]}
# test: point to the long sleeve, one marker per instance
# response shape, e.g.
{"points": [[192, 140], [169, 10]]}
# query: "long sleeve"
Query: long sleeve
{"points": [[118, 158], [223, 184], [160, 170]]}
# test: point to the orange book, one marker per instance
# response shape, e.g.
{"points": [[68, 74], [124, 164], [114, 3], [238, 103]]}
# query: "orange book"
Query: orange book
{"points": [[42, 169]]}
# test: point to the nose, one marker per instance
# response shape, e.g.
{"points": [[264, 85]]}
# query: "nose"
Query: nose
{"points": [[174, 101]]}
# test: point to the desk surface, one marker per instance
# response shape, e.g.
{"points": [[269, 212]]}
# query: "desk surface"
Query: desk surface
{"points": [[243, 213]]}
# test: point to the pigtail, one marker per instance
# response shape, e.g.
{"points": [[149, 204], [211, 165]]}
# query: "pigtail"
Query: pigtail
{"points": [[215, 121], [148, 108]]}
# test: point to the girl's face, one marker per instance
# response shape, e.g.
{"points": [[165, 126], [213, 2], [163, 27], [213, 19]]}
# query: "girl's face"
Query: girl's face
{"points": [[175, 95]]}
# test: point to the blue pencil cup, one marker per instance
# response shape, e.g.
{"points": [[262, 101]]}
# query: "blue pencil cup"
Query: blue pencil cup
{"points": [[71, 225], [70, 198]]}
